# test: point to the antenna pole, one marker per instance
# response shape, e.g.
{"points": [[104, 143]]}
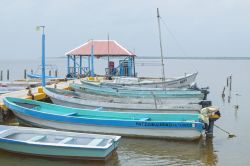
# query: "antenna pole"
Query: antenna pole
{"points": [[108, 49], [162, 60]]}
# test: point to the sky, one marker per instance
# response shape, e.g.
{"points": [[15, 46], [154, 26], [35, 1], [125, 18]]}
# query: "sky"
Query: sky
{"points": [[189, 27]]}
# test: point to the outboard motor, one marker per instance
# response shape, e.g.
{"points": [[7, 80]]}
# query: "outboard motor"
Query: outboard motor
{"points": [[205, 103], [205, 92], [209, 115]]}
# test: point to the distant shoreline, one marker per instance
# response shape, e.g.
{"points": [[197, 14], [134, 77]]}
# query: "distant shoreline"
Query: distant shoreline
{"points": [[199, 58], [187, 58]]}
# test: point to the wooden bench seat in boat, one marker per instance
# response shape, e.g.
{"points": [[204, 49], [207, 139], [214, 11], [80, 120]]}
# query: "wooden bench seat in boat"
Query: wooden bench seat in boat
{"points": [[70, 114], [36, 138], [95, 142], [144, 119], [65, 140]]}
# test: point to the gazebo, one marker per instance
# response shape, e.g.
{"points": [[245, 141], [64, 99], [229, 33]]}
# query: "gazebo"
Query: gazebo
{"points": [[98, 49]]}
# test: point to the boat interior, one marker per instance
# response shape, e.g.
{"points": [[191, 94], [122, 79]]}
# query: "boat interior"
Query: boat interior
{"points": [[131, 100], [103, 115], [53, 138]]}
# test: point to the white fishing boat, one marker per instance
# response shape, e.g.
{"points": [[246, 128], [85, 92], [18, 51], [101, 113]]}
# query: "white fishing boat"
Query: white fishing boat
{"points": [[185, 81], [113, 91], [127, 104], [57, 144]]}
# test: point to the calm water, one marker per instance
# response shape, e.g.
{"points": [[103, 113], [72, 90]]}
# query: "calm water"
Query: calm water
{"points": [[221, 150]]}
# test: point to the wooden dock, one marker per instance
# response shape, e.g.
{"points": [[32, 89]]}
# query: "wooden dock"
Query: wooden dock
{"points": [[36, 93]]}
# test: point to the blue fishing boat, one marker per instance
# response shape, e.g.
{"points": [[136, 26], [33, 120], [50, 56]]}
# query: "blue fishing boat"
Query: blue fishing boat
{"points": [[38, 73], [137, 93], [38, 76], [57, 144], [133, 124]]}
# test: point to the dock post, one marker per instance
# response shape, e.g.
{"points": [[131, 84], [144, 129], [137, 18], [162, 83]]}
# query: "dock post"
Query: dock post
{"points": [[223, 93], [210, 129], [8, 74], [49, 72], [25, 74], [229, 97], [230, 82], [1, 75]]}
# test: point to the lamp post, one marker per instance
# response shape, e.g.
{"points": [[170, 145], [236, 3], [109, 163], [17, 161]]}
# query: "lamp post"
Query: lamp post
{"points": [[43, 54]]}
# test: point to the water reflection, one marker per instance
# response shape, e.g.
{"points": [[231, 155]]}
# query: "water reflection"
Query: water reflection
{"points": [[7, 158], [131, 151], [162, 152], [208, 156]]}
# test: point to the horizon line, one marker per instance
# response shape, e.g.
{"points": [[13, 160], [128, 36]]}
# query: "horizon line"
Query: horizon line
{"points": [[181, 57]]}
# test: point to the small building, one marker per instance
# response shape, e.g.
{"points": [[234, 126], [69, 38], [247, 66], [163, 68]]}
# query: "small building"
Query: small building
{"points": [[100, 48]]}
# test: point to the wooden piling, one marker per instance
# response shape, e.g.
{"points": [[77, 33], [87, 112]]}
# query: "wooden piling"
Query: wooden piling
{"points": [[49, 72], [229, 97], [56, 73], [8, 74], [25, 74], [230, 82], [1, 75], [223, 93]]}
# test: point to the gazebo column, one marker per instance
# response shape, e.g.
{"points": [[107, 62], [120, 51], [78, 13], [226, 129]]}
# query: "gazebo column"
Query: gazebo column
{"points": [[92, 61], [134, 65], [89, 63], [68, 64], [129, 67], [74, 66], [80, 65]]}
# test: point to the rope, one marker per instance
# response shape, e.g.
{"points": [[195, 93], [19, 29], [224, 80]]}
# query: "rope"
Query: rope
{"points": [[230, 135], [176, 41]]}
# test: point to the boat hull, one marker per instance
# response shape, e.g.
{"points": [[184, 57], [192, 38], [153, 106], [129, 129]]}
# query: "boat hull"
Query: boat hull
{"points": [[180, 82], [88, 103], [56, 152], [57, 144], [155, 125], [37, 76], [178, 134], [83, 88], [124, 109]]}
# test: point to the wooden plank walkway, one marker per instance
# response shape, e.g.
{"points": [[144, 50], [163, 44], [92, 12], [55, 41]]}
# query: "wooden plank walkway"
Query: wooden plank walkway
{"points": [[37, 92]]}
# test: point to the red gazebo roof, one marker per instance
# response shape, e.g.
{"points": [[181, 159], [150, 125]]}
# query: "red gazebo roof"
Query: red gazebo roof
{"points": [[101, 48]]}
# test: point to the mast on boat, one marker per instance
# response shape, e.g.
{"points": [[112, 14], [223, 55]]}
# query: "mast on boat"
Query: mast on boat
{"points": [[162, 60]]}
